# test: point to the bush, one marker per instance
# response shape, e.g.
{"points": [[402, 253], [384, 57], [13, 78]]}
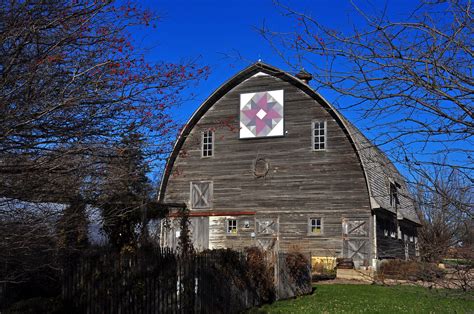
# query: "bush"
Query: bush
{"points": [[260, 274], [458, 263], [298, 269], [328, 275], [409, 270], [236, 281], [294, 274], [37, 305]]}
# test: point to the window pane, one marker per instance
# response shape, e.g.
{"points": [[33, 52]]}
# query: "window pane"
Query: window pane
{"points": [[207, 143], [316, 227], [319, 135], [232, 226]]}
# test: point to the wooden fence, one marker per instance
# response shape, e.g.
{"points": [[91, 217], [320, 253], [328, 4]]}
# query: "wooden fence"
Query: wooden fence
{"points": [[161, 282]]}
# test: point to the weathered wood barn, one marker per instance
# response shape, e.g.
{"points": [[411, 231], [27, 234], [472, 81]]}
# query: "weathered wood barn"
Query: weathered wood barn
{"points": [[267, 161]]}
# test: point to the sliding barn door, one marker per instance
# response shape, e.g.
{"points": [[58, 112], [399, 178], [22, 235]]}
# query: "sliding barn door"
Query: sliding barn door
{"points": [[356, 240], [199, 230]]}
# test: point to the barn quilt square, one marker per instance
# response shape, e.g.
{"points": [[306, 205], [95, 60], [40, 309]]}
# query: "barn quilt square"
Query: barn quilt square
{"points": [[261, 114]]}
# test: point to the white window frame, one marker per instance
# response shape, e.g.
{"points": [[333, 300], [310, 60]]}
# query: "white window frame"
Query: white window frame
{"points": [[231, 223], [205, 151], [313, 136], [310, 225], [211, 192]]}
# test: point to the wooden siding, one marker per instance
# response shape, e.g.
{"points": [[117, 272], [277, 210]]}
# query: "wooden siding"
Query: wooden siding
{"points": [[301, 183], [389, 247]]}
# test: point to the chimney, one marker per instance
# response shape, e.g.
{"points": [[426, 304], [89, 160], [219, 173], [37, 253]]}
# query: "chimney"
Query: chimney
{"points": [[304, 76]]}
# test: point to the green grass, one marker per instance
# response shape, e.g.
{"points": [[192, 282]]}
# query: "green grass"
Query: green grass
{"points": [[340, 298]]}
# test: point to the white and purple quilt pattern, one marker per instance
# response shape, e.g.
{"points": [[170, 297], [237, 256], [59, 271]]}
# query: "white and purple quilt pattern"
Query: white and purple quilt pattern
{"points": [[261, 114]]}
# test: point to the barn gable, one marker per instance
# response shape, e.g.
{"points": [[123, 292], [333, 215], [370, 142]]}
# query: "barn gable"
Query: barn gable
{"points": [[268, 172]]}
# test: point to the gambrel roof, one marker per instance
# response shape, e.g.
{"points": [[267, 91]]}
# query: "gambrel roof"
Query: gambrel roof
{"points": [[380, 172], [378, 169]]}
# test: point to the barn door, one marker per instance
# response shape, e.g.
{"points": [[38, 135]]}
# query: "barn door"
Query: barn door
{"points": [[356, 240], [199, 230], [266, 234]]}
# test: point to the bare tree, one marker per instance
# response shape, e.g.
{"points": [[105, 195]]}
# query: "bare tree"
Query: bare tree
{"points": [[444, 202], [72, 83], [28, 246], [410, 76]]}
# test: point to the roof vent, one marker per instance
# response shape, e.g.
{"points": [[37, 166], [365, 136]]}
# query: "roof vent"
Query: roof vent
{"points": [[304, 76]]}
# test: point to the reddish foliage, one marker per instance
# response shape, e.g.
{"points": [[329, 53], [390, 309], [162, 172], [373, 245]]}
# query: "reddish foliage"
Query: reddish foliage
{"points": [[76, 77]]}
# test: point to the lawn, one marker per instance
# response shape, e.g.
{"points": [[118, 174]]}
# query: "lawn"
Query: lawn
{"points": [[339, 298]]}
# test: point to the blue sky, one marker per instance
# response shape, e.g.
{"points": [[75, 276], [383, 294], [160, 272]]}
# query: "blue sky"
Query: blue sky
{"points": [[215, 32]]}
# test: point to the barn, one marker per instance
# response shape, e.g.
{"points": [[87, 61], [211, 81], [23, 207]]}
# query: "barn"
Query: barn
{"points": [[266, 161]]}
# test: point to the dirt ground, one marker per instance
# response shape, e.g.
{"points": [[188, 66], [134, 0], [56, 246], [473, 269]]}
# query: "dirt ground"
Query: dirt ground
{"points": [[341, 281]]}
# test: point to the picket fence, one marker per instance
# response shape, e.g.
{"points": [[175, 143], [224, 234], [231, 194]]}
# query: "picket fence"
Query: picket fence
{"points": [[160, 282]]}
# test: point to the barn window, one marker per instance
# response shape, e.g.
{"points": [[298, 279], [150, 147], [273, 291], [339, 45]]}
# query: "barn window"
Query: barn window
{"points": [[201, 195], [412, 239], [315, 226], [394, 194], [207, 145], [231, 226], [319, 135], [385, 232]]}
